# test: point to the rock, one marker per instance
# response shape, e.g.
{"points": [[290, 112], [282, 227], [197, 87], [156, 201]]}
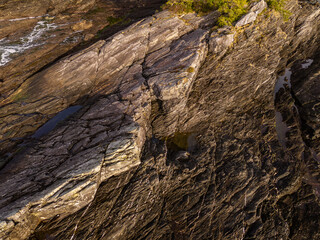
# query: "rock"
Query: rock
{"points": [[130, 114], [112, 170], [219, 43], [182, 156], [172, 84], [97, 69], [50, 25], [252, 14], [82, 25], [87, 37]]}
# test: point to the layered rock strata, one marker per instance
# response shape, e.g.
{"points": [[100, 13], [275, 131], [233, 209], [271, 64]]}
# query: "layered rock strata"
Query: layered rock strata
{"points": [[33, 40], [179, 138]]}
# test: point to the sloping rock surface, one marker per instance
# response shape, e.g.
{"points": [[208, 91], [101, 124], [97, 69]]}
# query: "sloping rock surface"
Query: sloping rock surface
{"points": [[177, 137], [30, 41]]}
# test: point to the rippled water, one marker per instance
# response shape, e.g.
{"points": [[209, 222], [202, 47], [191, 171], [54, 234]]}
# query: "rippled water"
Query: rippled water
{"points": [[9, 48]]}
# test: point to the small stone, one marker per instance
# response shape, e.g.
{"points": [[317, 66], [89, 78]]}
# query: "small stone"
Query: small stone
{"points": [[89, 36], [182, 155], [83, 25]]}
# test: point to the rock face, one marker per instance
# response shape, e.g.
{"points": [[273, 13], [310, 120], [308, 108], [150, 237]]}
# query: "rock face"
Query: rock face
{"points": [[177, 137], [44, 36]]}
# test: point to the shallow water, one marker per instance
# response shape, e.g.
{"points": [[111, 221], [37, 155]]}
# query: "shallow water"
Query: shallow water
{"points": [[282, 80], [9, 48], [307, 63], [281, 129], [52, 123]]}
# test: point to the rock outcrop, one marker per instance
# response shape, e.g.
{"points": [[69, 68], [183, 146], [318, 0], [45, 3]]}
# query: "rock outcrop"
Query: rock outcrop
{"points": [[45, 36], [44, 31], [178, 137]]}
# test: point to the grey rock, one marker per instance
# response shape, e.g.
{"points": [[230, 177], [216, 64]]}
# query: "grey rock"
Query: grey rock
{"points": [[219, 43], [251, 16]]}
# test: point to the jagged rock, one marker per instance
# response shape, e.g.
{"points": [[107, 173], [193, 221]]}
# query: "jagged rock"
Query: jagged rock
{"points": [[114, 142], [171, 75], [152, 157], [26, 26], [87, 72], [251, 16]]}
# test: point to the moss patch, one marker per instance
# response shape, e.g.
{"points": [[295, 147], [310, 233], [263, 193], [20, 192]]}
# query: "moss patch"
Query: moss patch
{"points": [[178, 142], [278, 5], [231, 10], [190, 70]]}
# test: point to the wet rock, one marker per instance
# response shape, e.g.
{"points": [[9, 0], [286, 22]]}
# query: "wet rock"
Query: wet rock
{"points": [[22, 59], [15, 9]]}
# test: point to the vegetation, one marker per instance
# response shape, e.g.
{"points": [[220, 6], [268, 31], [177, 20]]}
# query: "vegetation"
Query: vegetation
{"points": [[278, 6], [231, 10], [115, 20], [118, 21]]}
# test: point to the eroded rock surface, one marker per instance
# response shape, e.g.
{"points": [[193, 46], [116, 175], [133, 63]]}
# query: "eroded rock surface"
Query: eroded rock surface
{"points": [[177, 138], [33, 34], [43, 39]]}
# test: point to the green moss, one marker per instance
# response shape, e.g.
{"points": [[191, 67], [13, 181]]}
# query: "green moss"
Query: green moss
{"points": [[190, 70], [95, 11], [114, 20], [278, 5], [231, 10]]}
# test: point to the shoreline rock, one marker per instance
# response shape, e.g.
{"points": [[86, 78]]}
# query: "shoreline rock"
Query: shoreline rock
{"points": [[113, 170]]}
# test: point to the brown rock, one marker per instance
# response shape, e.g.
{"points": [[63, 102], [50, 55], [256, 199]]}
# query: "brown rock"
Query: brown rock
{"points": [[82, 25]]}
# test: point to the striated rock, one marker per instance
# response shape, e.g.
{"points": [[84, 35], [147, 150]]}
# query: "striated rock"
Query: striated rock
{"points": [[179, 138], [111, 145], [25, 27], [97, 69], [171, 75], [118, 135]]}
